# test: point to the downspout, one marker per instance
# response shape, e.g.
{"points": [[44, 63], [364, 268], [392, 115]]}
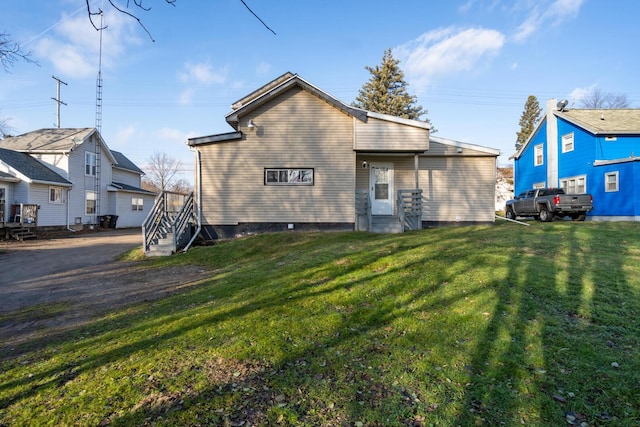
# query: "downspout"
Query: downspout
{"points": [[198, 201], [69, 212]]}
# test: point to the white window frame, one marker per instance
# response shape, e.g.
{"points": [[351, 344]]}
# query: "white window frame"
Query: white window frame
{"points": [[90, 196], [90, 163], [568, 143], [55, 195], [538, 153], [137, 204], [616, 182], [574, 184], [289, 176]]}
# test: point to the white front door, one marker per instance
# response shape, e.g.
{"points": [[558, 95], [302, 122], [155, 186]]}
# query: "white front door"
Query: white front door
{"points": [[381, 189]]}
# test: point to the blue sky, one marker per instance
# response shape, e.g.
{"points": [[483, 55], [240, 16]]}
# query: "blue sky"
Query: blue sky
{"points": [[472, 63]]}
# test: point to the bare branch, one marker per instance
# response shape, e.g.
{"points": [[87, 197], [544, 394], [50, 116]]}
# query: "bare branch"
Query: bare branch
{"points": [[253, 13], [11, 52], [139, 4]]}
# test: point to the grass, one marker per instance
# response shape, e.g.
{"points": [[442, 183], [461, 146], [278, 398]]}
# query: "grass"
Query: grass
{"points": [[483, 325]]}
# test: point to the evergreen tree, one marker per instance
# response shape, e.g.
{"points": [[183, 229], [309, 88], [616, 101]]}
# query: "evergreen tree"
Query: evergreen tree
{"points": [[386, 91], [528, 120]]}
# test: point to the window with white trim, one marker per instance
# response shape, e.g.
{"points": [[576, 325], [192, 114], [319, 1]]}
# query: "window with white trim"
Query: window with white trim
{"points": [[89, 163], [574, 185], [567, 142], [611, 182], [538, 158], [90, 203], [55, 195], [137, 204], [288, 176]]}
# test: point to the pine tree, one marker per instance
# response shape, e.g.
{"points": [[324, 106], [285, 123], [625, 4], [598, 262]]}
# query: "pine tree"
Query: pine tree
{"points": [[386, 91], [528, 120]]}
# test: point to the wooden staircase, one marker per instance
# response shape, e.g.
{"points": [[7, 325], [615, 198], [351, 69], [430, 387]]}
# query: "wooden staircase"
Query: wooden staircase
{"points": [[166, 231], [22, 233]]}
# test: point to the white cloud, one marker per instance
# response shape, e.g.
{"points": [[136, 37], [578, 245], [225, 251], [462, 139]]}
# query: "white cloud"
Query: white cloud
{"points": [[73, 45], [446, 51], [579, 93], [202, 73], [552, 12]]}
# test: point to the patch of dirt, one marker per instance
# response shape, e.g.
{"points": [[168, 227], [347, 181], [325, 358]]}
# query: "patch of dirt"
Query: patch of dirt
{"points": [[51, 286]]}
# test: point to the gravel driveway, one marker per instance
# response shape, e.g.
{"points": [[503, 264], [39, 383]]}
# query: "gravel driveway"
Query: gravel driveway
{"points": [[48, 286]]}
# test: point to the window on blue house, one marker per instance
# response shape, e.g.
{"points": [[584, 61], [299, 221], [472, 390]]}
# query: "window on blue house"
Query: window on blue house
{"points": [[567, 142], [611, 182], [537, 155], [574, 184]]}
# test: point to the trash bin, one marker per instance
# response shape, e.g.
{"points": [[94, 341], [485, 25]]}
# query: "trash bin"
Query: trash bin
{"points": [[112, 221], [104, 221]]}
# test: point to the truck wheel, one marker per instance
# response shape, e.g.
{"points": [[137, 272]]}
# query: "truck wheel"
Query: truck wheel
{"points": [[580, 217], [510, 214], [545, 215]]}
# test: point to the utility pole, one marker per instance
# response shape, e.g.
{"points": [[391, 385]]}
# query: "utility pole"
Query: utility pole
{"points": [[58, 100]]}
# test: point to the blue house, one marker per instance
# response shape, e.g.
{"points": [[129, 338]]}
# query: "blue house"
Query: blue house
{"points": [[585, 151]]}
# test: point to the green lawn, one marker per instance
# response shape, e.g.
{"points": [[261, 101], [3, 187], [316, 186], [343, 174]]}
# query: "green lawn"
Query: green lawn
{"points": [[483, 325]]}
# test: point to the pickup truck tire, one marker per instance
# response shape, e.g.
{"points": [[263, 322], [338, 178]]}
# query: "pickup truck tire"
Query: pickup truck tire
{"points": [[510, 214], [578, 217], [545, 215]]}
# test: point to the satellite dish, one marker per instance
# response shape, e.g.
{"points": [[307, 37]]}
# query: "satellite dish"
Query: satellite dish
{"points": [[562, 104]]}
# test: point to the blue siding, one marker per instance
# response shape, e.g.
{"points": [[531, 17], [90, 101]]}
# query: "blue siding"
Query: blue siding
{"points": [[623, 146], [526, 174], [623, 202], [580, 160]]}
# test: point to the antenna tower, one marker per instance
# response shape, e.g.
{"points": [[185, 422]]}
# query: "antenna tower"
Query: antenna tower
{"points": [[99, 79]]}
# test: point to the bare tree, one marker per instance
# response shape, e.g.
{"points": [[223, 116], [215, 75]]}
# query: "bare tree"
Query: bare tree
{"points": [[5, 129], [11, 52], [161, 171], [596, 100], [93, 13]]}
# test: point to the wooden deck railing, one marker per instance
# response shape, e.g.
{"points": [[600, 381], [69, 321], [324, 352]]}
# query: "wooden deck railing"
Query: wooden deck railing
{"points": [[24, 214], [410, 209]]}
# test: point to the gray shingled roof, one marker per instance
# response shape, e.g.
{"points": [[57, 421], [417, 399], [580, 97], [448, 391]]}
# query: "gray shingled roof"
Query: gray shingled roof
{"points": [[126, 187], [124, 163], [47, 139], [30, 167], [607, 121]]}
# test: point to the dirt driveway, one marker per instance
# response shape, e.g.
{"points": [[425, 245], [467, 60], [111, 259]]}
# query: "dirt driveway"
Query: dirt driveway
{"points": [[50, 285]]}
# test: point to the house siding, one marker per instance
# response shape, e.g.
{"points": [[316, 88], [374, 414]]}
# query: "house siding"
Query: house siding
{"points": [[382, 135], [456, 188], [126, 177], [122, 207], [83, 183], [49, 214], [526, 174], [292, 132]]}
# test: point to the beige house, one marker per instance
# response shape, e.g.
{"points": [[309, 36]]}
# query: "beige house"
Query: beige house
{"points": [[300, 159]]}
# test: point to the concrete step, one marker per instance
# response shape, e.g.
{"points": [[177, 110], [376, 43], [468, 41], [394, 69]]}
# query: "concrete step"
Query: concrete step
{"points": [[386, 224]]}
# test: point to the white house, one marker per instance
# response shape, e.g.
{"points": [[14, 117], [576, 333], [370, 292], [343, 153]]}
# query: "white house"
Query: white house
{"points": [[87, 181]]}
